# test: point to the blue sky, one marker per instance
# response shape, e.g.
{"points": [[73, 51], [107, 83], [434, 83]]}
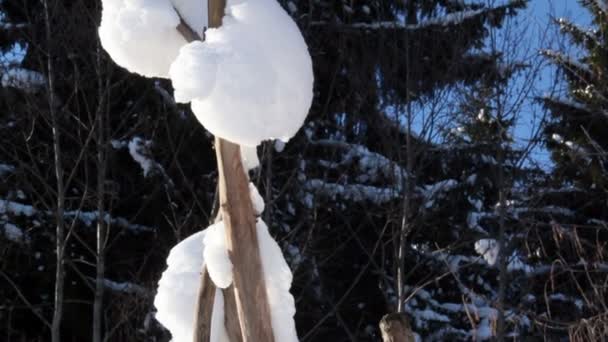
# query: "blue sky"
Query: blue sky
{"points": [[539, 14]]}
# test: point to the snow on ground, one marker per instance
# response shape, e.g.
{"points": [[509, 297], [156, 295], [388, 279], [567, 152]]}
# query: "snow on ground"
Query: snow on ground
{"points": [[258, 55], [178, 287]]}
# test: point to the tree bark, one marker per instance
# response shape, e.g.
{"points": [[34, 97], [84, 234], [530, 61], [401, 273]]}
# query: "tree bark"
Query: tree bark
{"points": [[204, 308], [60, 203], [102, 225], [396, 328]]}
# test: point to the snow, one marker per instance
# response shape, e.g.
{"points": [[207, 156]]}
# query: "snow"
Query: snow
{"points": [[430, 315], [6, 169], [15, 208], [139, 149], [249, 157], [178, 287], [474, 219], [517, 264], [141, 35], [86, 217], [216, 257], [194, 13], [449, 19], [484, 330], [13, 233], [432, 191], [256, 199], [278, 278], [218, 330], [372, 167], [557, 138], [602, 5], [136, 147], [194, 73], [24, 79], [257, 56], [488, 248], [90, 217], [279, 146], [352, 192], [126, 287]]}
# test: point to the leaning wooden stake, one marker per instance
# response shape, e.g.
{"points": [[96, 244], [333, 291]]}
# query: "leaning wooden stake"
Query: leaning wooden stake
{"points": [[247, 313], [242, 242]]}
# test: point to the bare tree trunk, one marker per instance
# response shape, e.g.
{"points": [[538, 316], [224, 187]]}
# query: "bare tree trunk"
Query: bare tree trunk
{"points": [[59, 212], [396, 328], [102, 225], [406, 181]]}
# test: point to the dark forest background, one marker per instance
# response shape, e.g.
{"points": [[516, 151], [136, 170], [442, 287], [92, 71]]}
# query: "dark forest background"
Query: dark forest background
{"points": [[393, 196]]}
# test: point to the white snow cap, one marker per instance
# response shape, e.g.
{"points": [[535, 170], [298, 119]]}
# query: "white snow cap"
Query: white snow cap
{"points": [[141, 35], [251, 79], [177, 289]]}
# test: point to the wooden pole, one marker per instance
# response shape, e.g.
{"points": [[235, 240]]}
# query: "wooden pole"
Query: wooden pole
{"points": [[396, 328], [246, 299], [242, 242], [204, 308]]}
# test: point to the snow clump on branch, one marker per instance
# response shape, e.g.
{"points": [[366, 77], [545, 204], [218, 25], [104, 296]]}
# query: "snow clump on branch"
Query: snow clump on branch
{"points": [[178, 288], [251, 79], [216, 256], [141, 35]]}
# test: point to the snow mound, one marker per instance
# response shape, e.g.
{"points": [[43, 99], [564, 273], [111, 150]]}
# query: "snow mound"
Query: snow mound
{"points": [[178, 287], [251, 79], [141, 35]]}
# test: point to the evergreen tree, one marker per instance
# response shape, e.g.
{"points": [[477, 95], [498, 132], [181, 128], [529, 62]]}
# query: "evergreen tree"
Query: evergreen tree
{"points": [[360, 163], [338, 190], [576, 137]]}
